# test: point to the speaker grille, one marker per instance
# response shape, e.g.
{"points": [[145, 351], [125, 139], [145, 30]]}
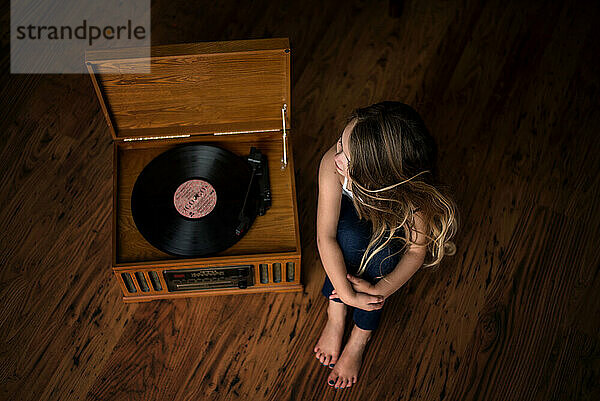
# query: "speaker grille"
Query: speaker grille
{"points": [[289, 271], [128, 282], [277, 272], [264, 273], [155, 281], [141, 280]]}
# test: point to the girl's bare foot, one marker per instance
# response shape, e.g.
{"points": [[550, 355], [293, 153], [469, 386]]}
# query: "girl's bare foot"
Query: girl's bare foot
{"points": [[345, 372], [328, 347]]}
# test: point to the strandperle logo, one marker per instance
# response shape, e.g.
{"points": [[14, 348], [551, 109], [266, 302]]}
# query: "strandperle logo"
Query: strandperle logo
{"points": [[53, 36], [82, 32]]}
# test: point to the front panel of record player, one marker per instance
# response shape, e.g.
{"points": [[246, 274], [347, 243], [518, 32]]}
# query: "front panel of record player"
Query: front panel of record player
{"points": [[204, 199]]}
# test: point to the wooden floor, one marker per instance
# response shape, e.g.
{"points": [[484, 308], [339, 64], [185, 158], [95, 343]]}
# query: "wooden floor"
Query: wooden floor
{"points": [[510, 92]]}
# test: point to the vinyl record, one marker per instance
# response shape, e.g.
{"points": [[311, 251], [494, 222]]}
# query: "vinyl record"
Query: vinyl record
{"points": [[187, 201]]}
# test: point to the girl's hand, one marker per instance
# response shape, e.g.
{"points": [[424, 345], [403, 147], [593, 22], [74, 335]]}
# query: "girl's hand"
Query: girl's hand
{"points": [[362, 301], [361, 285]]}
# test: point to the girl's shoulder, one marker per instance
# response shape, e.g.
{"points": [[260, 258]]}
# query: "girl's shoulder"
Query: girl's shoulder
{"points": [[327, 168]]}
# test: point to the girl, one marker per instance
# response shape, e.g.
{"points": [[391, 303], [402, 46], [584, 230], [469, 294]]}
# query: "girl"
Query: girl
{"points": [[380, 212]]}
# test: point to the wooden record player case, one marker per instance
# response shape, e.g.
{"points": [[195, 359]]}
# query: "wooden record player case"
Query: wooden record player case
{"points": [[233, 94]]}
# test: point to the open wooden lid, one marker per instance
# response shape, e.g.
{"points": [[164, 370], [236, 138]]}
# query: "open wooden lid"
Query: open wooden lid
{"points": [[200, 88]]}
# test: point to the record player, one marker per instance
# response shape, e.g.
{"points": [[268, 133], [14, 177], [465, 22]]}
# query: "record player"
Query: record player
{"points": [[233, 96]]}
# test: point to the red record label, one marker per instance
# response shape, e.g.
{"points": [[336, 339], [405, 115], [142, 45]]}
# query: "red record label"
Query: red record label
{"points": [[195, 198]]}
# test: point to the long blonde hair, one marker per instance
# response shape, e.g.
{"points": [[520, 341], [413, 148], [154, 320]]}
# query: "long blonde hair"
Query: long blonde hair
{"points": [[393, 175]]}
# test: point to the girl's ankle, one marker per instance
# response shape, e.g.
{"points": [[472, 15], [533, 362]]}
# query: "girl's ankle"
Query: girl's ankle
{"points": [[360, 336], [336, 310]]}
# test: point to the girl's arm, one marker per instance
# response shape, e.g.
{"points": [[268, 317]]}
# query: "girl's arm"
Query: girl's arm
{"points": [[408, 265], [328, 212]]}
